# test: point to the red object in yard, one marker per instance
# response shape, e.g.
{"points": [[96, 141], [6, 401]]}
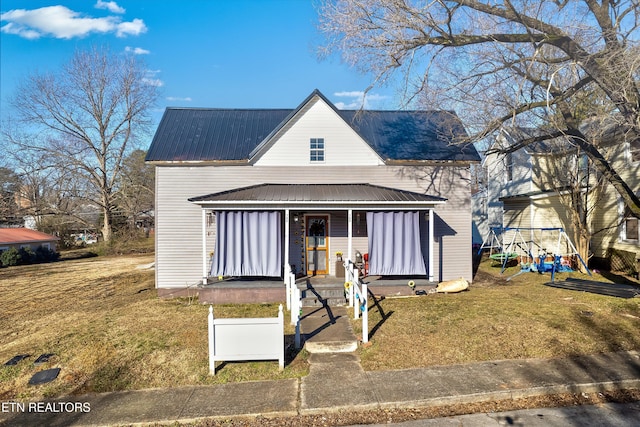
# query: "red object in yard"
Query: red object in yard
{"points": [[366, 264]]}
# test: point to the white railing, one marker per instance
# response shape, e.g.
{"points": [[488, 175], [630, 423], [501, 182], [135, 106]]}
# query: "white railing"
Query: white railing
{"points": [[262, 339], [358, 298], [294, 301]]}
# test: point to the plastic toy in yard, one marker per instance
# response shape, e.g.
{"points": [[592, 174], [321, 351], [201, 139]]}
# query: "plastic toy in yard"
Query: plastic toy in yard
{"points": [[452, 286], [514, 246], [559, 264]]}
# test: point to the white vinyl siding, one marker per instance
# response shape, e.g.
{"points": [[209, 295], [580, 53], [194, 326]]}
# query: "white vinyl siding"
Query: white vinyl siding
{"points": [[179, 222], [342, 145]]}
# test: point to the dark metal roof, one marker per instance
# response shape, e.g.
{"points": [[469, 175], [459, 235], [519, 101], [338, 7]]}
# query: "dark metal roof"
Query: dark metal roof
{"points": [[317, 193], [193, 134], [412, 135]]}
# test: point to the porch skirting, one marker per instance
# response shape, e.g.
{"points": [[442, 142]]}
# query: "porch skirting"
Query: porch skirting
{"points": [[227, 295]]}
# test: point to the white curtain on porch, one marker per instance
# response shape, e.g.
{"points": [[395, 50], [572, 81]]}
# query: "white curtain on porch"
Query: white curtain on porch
{"points": [[247, 244], [394, 244]]}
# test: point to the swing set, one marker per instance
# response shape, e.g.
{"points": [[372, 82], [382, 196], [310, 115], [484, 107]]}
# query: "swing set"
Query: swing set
{"points": [[510, 244]]}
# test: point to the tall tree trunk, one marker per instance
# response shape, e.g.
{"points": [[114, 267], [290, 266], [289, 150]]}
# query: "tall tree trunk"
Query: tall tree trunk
{"points": [[107, 220]]}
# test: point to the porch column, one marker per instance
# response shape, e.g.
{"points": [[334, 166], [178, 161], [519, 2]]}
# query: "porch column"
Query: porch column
{"points": [[350, 234], [431, 226], [205, 271], [286, 243]]}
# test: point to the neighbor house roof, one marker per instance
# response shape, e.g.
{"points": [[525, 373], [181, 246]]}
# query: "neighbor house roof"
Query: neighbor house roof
{"points": [[559, 145], [13, 236], [205, 134], [301, 194]]}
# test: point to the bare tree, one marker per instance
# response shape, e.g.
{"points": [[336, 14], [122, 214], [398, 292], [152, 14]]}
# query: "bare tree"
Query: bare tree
{"points": [[9, 187], [83, 120], [136, 188], [521, 63]]}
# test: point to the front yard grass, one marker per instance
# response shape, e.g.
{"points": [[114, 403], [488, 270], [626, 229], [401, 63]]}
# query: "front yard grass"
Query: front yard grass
{"points": [[109, 331], [498, 319], [102, 319]]}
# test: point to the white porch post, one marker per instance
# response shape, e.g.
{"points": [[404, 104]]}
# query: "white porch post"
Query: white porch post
{"points": [[286, 242], [205, 272], [350, 234], [431, 226]]}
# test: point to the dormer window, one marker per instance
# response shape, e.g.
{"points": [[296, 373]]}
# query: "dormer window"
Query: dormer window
{"points": [[316, 150]]}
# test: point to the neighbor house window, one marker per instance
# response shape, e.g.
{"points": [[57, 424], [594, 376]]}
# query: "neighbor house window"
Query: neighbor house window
{"points": [[631, 231], [316, 151], [508, 160], [634, 151]]}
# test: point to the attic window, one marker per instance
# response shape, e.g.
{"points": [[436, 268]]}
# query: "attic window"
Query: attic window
{"points": [[316, 150]]}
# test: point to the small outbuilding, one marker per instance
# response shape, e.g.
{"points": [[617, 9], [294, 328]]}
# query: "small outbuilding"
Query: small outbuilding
{"points": [[26, 238]]}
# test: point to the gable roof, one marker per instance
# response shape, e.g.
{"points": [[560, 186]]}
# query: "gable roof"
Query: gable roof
{"points": [[13, 236], [235, 135], [514, 135]]}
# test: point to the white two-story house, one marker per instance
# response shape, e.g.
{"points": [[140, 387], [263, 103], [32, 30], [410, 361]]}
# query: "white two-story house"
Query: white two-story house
{"points": [[251, 193]]}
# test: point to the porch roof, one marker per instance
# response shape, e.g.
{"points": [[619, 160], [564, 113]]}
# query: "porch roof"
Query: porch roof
{"points": [[343, 196]]}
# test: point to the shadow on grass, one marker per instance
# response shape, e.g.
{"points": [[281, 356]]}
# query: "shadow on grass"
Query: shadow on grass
{"points": [[383, 316], [619, 278], [608, 371]]}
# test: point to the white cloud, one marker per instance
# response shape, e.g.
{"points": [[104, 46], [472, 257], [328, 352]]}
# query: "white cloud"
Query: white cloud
{"points": [[111, 6], [358, 100], [19, 30], [151, 79], [177, 98], [63, 23], [136, 50], [134, 28], [152, 82]]}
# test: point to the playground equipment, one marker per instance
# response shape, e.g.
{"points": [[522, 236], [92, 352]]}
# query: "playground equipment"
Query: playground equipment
{"points": [[520, 248]]}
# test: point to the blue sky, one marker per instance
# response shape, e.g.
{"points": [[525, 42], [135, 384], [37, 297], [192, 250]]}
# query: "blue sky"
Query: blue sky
{"points": [[215, 53]]}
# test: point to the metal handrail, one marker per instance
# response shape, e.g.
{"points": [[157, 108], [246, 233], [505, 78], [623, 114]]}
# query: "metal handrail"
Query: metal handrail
{"points": [[353, 279]]}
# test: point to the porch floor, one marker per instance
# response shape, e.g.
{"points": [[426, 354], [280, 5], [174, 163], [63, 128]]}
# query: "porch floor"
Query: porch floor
{"points": [[275, 282]]}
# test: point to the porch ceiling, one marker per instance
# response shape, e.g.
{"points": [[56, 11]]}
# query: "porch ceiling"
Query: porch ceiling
{"points": [[342, 196]]}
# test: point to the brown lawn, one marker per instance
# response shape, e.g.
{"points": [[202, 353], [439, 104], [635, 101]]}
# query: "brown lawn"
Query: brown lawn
{"points": [[108, 330]]}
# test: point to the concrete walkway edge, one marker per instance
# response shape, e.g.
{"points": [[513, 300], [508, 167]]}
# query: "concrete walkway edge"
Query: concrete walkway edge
{"points": [[338, 386]]}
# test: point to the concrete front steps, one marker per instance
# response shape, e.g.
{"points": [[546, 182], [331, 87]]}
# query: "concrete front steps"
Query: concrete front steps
{"points": [[322, 295], [327, 330]]}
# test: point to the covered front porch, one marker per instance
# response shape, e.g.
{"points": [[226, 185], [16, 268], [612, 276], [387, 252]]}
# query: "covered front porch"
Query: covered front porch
{"points": [[264, 232], [242, 290]]}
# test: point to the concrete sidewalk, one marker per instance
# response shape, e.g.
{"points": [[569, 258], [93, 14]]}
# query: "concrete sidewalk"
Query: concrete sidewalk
{"points": [[337, 382]]}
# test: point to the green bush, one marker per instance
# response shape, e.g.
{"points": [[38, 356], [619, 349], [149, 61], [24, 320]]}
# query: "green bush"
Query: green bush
{"points": [[43, 254], [27, 256], [24, 256], [10, 257]]}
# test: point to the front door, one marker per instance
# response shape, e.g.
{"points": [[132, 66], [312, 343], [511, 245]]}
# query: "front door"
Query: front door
{"points": [[317, 245]]}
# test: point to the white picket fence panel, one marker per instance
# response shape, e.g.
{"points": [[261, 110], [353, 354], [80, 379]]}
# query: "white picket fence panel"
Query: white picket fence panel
{"points": [[246, 339]]}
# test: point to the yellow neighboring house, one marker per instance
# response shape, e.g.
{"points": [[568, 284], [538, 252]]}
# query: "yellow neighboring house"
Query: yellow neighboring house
{"points": [[619, 240], [525, 189]]}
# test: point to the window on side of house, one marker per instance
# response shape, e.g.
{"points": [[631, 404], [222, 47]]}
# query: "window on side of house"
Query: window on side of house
{"points": [[634, 151], [316, 150], [631, 229], [508, 163]]}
